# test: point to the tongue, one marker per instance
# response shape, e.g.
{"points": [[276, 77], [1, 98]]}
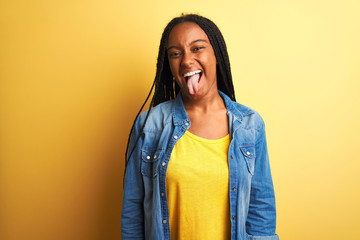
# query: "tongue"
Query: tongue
{"points": [[193, 83]]}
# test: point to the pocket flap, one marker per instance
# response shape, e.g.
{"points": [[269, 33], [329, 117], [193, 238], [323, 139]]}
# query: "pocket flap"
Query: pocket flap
{"points": [[249, 156], [248, 151], [151, 154]]}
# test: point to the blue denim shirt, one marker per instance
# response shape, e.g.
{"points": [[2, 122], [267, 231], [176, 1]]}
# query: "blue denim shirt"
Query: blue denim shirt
{"points": [[145, 213]]}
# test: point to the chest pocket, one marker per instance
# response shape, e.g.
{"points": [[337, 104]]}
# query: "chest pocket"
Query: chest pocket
{"points": [[249, 156], [149, 161]]}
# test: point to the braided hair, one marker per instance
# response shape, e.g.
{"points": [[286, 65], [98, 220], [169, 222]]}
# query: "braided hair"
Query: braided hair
{"points": [[165, 85]]}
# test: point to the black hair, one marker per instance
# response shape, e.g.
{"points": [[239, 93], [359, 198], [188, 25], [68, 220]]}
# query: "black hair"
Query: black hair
{"points": [[166, 87]]}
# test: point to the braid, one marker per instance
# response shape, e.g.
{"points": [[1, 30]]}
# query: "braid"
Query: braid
{"points": [[165, 85]]}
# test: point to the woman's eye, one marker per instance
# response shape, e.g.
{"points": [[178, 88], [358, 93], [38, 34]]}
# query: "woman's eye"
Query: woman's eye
{"points": [[198, 48], [174, 54]]}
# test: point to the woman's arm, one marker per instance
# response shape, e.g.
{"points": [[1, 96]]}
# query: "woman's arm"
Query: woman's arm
{"points": [[261, 220], [132, 216]]}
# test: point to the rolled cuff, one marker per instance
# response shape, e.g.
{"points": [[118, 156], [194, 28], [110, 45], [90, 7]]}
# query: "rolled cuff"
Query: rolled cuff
{"points": [[273, 237]]}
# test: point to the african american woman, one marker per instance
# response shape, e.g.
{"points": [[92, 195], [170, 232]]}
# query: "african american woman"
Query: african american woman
{"points": [[197, 164]]}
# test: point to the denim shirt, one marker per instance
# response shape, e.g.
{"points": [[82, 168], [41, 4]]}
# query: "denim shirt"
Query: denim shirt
{"points": [[145, 213]]}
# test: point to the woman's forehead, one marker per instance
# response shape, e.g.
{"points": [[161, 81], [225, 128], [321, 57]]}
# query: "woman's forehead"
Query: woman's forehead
{"points": [[185, 33]]}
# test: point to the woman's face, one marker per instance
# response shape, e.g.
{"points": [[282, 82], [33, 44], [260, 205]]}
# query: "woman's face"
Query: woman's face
{"points": [[192, 60]]}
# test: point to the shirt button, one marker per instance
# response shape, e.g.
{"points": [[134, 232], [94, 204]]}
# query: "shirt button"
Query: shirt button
{"points": [[234, 217], [164, 221], [248, 153], [162, 194], [232, 157], [233, 188], [176, 137], [148, 157], [186, 124], [163, 163]]}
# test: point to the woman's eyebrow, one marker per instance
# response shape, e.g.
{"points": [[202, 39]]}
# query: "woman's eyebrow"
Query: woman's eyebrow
{"points": [[197, 40]]}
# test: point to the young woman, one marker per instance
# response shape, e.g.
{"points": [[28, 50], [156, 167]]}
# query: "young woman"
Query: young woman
{"points": [[197, 163]]}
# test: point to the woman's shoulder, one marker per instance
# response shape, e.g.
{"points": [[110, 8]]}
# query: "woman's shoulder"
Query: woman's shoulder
{"points": [[159, 116], [249, 115], [240, 110]]}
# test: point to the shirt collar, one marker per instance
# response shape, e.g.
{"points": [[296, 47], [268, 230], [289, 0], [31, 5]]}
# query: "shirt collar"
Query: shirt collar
{"points": [[179, 113], [235, 108], [180, 116]]}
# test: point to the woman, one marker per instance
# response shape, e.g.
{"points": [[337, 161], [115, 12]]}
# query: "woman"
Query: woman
{"points": [[197, 166]]}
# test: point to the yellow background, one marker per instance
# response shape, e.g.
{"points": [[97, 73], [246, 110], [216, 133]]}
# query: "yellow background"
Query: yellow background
{"points": [[73, 74]]}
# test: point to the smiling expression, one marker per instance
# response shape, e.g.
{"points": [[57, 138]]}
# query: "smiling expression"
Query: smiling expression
{"points": [[192, 60]]}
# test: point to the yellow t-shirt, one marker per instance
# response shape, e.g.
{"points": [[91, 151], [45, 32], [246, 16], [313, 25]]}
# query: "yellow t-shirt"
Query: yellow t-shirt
{"points": [[197, 184]]}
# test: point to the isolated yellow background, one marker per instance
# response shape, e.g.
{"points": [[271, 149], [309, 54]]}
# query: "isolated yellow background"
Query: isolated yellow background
{"points": [[73, 74]]}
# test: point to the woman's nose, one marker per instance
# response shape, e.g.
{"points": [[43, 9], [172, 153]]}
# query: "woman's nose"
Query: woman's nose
{"points": [[187, 59]]}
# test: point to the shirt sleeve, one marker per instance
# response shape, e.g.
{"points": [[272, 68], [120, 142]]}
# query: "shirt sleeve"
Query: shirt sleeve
{"points": [[132, 216], [261, 220]]}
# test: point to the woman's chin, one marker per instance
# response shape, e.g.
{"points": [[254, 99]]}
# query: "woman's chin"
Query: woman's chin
{"points": [[196, 95]]}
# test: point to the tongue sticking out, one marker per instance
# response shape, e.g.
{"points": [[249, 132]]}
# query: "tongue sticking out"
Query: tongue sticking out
{"points": [[193, 83]]}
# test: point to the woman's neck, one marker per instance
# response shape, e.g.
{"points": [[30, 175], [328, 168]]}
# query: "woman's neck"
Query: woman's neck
{"points": [[210, 102]]}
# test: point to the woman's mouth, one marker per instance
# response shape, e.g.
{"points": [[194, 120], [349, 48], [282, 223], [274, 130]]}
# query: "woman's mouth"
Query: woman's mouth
{"points": [[192, 81]]}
